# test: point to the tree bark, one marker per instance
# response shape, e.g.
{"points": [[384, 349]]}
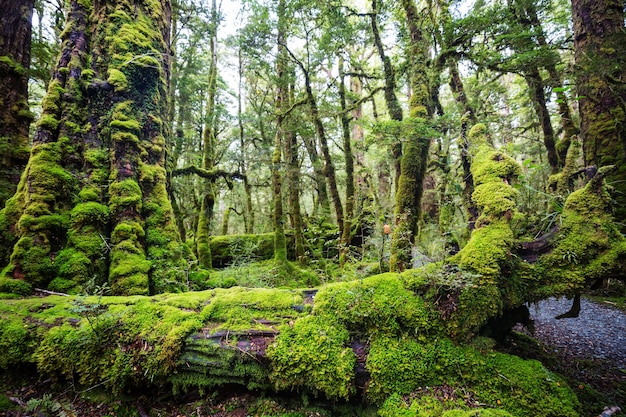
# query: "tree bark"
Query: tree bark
{"points": [[282, 97], [599, 44], [92, 206], [415, 149], [346, 232], [15, 119], [208, 157]]}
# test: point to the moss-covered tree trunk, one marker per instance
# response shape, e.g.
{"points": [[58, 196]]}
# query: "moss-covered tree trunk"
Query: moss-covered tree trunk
{"points": [[415, 148], [346, 232], [293, 181], [282, 97], [600, 53], [322, 207], [249, 212], [15, 116], [92, 206], [391, 100], [555, 80], [208, 153], [322, 137]]}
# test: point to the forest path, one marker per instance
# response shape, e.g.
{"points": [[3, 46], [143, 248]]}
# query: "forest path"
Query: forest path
{"points": [[599, 333]]}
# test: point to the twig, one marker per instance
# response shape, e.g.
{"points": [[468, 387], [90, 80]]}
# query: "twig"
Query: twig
{"points": [[51, 292]]}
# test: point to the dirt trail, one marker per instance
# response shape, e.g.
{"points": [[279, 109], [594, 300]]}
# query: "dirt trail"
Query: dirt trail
{"points": [[599, 333]]}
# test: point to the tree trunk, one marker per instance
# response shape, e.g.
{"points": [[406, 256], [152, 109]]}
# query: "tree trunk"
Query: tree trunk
{"points": [[393, 106], [568, 129], [600, 43], [415, 151], [92, 206], [293, 181], [15, 40], [249, 212], [329, 167], [346, 232], [323, 202], [208, 157], [282, 97]]}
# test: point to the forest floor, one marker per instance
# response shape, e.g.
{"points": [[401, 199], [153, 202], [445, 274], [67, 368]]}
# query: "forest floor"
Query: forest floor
{"points": [[590, 351]]}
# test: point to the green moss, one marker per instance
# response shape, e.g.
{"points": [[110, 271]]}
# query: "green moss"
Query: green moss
{"points": [[129, 125], [89, 194], [118, 80], [148, 341], [124, 195], [589, 245], [15, 286], [12, 65], [16, 343], [91, 212], [245, 308], [510, 384], [48, 122], [487, 251], [237, 249], [52, 100], [313, 355], [378, 304]]}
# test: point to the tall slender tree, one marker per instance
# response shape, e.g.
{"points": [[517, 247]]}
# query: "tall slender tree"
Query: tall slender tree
{"points": [[415, 147]]}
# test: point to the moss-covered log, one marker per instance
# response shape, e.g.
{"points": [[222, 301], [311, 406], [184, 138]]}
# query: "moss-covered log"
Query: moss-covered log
{"points": [[380, 337], [92, 207]]}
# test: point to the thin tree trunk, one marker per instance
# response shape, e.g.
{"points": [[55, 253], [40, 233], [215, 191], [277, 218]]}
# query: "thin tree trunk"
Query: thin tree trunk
{"points": [[415, 151], [329, 167], [346, 232], [293, 182], [393, 106], [568, 128], [249, 212], [203, 246], [280, 241], [323, 202]]}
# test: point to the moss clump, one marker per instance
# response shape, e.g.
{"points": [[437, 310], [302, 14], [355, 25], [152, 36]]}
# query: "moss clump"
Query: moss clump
{"points": [[313, 355], [118, 80], [12, 65], [589, 245], [142, 350], [15, 286], [125, 194], [241, 249], [510, 384], [246, 308], [89, 213], [378, 304]]}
